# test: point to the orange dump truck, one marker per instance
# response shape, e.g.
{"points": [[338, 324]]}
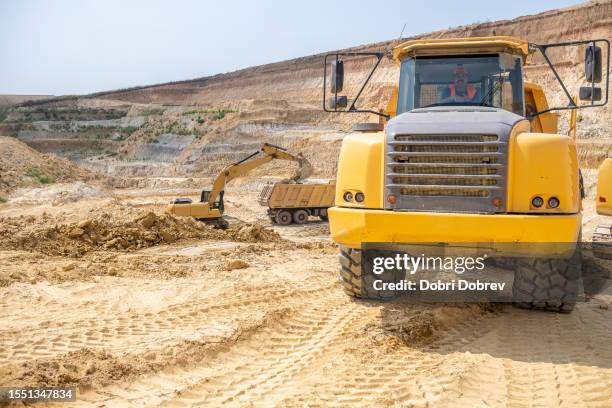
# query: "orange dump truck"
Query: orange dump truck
{"points": [[295, 202]]}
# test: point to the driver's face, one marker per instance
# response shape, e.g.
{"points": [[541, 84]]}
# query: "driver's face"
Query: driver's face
{"points": [[460, 84]]}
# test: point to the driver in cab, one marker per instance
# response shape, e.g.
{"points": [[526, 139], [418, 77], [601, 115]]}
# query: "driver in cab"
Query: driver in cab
{"points": [[460, 90]]}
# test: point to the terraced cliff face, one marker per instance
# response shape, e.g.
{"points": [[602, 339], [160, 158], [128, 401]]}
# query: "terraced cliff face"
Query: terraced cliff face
{"points": [[195, 127]]}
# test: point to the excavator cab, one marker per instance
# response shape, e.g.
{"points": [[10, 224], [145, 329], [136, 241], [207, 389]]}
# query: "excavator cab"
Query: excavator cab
{"points": [[217, 204]]}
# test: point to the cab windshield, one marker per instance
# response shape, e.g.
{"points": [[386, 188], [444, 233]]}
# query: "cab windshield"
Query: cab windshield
{"points": [[483, 80]]}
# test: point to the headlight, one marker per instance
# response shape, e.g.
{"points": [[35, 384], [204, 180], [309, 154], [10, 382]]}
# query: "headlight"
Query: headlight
{"points": [[553, 202], [359, 197], [537, 202], [348, 196]]}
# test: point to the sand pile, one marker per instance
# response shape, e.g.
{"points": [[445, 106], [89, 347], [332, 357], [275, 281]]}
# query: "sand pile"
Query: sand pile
{"points": [[22, 166], [416, 324], [252, 233], [116, 228]]}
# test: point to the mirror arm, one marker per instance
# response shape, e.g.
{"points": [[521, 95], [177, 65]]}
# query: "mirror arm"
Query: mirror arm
{"points": [[352, 108], [542, 49], [572, 105]]}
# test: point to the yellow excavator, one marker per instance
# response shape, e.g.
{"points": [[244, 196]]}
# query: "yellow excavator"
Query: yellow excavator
{"points": [[210, 208]]}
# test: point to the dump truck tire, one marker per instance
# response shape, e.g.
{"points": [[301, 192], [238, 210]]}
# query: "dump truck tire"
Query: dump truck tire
{"points": [[284, 217], [350, 271], [354, 282], [300, 216], [547, 284]]}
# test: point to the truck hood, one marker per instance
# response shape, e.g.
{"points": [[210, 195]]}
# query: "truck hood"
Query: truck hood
{"points": [[454, 119]]}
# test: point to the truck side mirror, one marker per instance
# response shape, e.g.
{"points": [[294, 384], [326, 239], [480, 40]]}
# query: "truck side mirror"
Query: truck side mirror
{"points": [[592, 64], [338, 102], [337, 75], [588, 93]]}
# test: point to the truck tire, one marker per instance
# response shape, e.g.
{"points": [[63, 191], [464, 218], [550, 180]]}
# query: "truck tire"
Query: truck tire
{"points": [[354, 282], [300, 216], [283, 217], [547, 284], [350, 271]]}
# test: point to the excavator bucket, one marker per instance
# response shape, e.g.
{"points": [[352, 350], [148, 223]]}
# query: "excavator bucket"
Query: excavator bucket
{"points": [[305, 169]]}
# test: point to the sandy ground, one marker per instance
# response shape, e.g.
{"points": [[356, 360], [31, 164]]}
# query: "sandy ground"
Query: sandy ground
{"points": [[227, 322]]}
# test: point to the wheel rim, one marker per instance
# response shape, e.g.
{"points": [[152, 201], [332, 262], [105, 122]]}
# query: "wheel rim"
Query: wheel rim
{"points": [[300, 217], [284, 218]]}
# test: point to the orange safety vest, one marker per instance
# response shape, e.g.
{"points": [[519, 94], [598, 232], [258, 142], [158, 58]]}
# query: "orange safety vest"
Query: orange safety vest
{"points": [[471, 91]]}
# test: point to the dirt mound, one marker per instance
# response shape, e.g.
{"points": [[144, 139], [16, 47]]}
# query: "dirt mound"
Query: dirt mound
{"points": [[252, 233], [22, 166], [119, 228], [413, 324], [81, 367]]}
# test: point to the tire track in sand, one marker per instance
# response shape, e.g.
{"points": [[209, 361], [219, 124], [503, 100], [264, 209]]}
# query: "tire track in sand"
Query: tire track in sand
{"points": [[525, 359], [253, 366], [138, 331]]}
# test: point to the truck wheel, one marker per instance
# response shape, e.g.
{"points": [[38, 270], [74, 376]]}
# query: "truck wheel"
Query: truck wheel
{"points": [[300, 216], [548, 284], [350, 271], [357, 283], [284, 217]]}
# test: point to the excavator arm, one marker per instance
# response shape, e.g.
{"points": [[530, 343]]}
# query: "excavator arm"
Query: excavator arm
{"points": [[242, 167]]}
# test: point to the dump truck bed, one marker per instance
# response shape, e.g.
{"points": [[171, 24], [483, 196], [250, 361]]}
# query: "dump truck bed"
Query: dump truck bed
{"points": [[294, 195], [294, 203]]}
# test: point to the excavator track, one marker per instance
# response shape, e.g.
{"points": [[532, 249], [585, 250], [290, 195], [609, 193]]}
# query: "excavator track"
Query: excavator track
{"points": [[218, 223]]}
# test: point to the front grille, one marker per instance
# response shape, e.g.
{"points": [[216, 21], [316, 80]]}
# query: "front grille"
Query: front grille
{"points": [[464, 192], [446, 172]]}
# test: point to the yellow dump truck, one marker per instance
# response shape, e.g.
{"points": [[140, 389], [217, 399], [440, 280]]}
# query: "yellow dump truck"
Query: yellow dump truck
{"points": [[466, 151], [602, 236], [294, 202]]}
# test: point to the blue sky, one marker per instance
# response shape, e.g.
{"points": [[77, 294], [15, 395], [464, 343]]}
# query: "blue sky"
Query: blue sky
{"points": [[75, 47]]}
